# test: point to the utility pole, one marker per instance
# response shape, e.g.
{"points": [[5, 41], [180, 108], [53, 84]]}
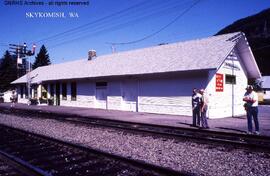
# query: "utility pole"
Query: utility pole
{"points": [[113, 48], [22, 52], [18, 51]]}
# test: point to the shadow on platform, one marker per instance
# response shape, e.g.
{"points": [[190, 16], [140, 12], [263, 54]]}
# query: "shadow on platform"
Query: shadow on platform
{"points": [[231, 129]]}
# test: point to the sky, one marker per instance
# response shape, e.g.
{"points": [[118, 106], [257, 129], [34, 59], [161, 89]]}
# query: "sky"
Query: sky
{"points": [[99, 23]]}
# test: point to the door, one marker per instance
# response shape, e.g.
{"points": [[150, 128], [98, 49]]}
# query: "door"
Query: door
{"points": [[130, 95], [101, 95]]}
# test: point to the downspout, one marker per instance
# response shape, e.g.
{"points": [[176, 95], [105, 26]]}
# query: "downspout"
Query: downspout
{"points": [[233, 89], [137, 96]]}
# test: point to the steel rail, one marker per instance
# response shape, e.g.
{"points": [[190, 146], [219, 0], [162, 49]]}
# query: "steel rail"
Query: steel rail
{"points": [[204, 135], [80, 152]]}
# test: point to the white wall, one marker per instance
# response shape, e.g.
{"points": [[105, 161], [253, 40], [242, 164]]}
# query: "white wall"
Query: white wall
{"points": [[114, 98], [85, 95], [129, 92], [229, 102], [23, 99], [169, 95], [7, 96], [20, 99], [266, 95]]}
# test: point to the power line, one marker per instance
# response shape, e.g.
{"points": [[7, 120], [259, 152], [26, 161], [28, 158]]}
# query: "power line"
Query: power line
{"points": [[101, 30], [146, 9], [262, 47], [105, 29], [161, 29], [4, 44], [93, 22]]}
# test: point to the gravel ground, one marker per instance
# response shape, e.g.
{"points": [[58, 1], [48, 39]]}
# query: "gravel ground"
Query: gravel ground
{"points": [[186, 156]]}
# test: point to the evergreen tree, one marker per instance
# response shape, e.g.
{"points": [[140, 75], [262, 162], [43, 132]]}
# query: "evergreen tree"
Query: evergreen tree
{"points": [[42, 58], [8, 71]]}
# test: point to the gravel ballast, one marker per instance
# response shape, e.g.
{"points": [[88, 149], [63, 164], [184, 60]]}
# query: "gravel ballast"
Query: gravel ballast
{"points": [[184, 156]]}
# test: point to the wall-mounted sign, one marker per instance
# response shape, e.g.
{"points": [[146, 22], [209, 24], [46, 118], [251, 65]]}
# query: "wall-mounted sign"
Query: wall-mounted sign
{"points": [[219, 82]]}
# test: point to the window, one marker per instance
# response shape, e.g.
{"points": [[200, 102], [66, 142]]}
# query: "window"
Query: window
{"points": [[230, 79], [21, 90], [35, 92], [52, 90], [64, 91], [101, 85], [73, 91]]}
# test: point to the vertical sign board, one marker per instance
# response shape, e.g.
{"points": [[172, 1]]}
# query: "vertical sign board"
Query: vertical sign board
{"points": [[219, 82]]}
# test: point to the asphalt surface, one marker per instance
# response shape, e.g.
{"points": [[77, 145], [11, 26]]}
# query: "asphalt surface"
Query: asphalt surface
{"points": [[231, 124]]}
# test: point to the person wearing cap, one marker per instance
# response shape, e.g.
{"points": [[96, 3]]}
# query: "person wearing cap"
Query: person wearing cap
{"points": [[195, 101], [203, 109], [251, 106]]}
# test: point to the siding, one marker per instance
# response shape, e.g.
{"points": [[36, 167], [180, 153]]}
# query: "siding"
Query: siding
{"points": [[129, 95], [114, 99], [229, 102], [170, 95], [85, 95], [166, 105]]}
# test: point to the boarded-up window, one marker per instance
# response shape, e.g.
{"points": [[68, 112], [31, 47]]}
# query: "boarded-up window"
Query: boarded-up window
{"points": [[64, 91], [230, 79], [73, 91]]}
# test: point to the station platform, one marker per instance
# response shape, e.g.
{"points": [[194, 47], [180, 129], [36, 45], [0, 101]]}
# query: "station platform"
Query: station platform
{"points": [[230, 124]]}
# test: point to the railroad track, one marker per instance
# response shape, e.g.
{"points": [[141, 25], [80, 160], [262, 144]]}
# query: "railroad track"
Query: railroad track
{"points": [[40, 155], [9, 167], [237, 139]]}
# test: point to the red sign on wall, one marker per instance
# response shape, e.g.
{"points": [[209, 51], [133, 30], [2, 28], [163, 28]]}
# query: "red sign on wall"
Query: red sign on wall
{"points": [[219, 82]]}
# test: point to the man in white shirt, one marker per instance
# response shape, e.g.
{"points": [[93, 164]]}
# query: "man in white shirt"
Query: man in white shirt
{"points": [[204, 108], [251, 105]]}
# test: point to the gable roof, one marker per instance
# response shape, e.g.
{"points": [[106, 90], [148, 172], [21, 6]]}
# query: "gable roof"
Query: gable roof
{"points": [[207, 53]]}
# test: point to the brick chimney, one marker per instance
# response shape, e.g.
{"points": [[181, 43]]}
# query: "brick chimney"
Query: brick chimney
{"points": [[92, 54]]}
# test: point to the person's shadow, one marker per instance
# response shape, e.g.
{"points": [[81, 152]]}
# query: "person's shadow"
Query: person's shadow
{"points": [[231, 129], [183, 123]]}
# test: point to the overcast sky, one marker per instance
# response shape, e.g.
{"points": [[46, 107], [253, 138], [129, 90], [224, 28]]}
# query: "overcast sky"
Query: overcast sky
{"points": [[117, 21]]}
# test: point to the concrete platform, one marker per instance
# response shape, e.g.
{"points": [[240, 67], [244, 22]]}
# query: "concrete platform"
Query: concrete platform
{"points": [[232, 124]]}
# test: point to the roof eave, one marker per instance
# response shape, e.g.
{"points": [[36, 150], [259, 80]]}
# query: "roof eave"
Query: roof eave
{"points": [[253, 71]]}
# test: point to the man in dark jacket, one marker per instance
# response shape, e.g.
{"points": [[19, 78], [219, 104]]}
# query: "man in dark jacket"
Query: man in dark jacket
{"points": [[196, 107]]}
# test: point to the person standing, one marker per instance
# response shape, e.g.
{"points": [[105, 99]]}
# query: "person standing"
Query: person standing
{"points": [[195, 101], [203, 109], [13, 98], [251, 106]]}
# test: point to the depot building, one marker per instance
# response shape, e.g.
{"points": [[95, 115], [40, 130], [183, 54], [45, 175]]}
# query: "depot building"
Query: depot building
{"points": [[158, 79]]}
